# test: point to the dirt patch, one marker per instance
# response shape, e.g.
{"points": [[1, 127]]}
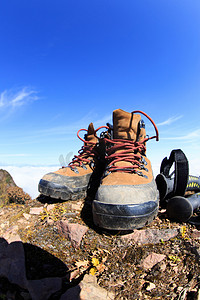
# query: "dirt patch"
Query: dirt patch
{"points": [[116, 262]]}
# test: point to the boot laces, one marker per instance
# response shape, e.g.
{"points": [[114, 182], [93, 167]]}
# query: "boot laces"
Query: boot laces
{"points": [[128, 151], [87, 153]]}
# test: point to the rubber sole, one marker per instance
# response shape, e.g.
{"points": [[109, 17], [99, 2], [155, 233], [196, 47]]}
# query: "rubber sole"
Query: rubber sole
{"points": [[124, 217], [58, 191]]}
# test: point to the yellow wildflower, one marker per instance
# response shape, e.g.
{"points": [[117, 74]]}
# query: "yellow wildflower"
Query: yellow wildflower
{"points": [[174, 258], [93, 271], [183, 231], [95, 261]]}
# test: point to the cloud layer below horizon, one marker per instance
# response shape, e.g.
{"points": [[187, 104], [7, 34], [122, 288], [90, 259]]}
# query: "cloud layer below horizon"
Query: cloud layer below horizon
{"points": [[28, 177]]}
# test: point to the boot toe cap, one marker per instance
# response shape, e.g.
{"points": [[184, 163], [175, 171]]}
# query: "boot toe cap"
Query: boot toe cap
{"points": [[127, 194], [125, 207], [64, 187]]}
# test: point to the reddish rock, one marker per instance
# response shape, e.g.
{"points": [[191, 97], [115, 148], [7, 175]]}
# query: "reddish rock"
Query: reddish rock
{"points": [[77, 206], [88, 289], [151, 236], [50, 221], [152, 259], [26, 216], [50, 207], [36, 210], [11, 234], [72, 231], [195, 234]]}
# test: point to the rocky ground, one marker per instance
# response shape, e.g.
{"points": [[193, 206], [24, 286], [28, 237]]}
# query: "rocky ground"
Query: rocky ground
{"points": [[52, 250]]}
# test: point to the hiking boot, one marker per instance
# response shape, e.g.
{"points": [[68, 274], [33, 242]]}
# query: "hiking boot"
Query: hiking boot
{"points": [[71, 182], [127, 197]]}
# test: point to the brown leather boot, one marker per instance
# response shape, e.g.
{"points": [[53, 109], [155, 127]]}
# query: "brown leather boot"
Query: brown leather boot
{"points": [[71, 182], [127, 197]]}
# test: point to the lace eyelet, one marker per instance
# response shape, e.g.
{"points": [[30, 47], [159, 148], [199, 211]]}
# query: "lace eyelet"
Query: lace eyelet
{"points": [[141, 174], [75, 170], [83, 166]]}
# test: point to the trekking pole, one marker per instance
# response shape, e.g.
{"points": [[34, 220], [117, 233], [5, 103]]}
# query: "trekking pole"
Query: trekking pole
{"points": [[181, 209]]}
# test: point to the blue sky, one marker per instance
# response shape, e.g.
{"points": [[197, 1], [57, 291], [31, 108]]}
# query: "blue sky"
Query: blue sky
{"points": [[65, 64]]}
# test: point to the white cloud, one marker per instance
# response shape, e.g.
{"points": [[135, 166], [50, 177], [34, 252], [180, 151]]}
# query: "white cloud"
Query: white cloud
{"points": [[187, 137], [14, 155], [169, 121], [13, 98], [28, 177]]}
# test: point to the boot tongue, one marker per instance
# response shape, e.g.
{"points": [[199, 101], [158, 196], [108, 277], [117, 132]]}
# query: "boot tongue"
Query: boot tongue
{"points": [[125, 125], [90, 134]]}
